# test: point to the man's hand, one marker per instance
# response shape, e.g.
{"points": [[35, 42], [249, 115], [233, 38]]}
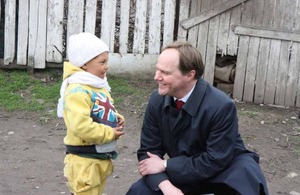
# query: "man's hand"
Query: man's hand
{"points": [[152, 165], [169, 189]]}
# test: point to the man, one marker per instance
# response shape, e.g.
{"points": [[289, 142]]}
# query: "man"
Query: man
{"points": [[205, 151]]}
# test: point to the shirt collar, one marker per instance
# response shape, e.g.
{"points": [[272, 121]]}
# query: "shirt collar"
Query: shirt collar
{"points": [[186, 97]]}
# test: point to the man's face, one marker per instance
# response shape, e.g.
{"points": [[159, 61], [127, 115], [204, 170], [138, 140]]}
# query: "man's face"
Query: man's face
{"points": [[170, 80]]}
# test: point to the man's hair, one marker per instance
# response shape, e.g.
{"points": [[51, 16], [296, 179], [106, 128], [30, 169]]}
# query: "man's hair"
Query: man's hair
{"points": [[189, 57]]}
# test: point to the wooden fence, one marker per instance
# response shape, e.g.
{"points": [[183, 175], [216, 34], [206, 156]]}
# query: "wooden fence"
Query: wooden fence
{"points": [[262, 34], [268, 59]]}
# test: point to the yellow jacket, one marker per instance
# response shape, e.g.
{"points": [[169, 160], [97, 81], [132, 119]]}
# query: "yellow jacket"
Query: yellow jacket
{"points": [[87, 111]]}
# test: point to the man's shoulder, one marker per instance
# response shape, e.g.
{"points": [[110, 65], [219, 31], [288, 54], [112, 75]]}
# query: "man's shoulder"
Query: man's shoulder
{"points": [[212, 96], [155, 95], [214, 92], [156, 99]]}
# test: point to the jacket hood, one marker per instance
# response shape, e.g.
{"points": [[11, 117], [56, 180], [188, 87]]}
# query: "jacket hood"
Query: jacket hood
{"points": [[70, 69]]}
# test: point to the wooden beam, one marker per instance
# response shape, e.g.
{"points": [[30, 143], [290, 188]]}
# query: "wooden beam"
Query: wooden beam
{"points": [[14, 65], [266, 33], [214, 11]]}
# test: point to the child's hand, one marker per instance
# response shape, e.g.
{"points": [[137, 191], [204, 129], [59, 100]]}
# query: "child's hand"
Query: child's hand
{"points": [[120, 122], [118, 132]]}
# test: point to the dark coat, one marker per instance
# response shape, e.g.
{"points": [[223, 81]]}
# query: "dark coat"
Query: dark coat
{"points": [[202, 141]]}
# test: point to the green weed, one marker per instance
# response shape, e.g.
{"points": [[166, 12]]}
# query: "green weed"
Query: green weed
{"points": [[40, 92], [250, 114]]}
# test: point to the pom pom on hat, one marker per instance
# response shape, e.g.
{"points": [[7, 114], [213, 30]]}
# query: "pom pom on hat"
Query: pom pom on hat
{"points": [[83, 47]]}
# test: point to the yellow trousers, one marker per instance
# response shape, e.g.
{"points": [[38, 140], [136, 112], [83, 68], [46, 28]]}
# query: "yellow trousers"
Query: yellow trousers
{"points": [[86, 176]]}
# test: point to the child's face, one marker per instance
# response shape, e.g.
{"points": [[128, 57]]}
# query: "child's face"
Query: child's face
{"points": [[98, 65]]}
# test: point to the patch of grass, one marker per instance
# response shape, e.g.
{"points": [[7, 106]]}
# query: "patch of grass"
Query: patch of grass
{"points": [[250, 114], [295, 140], [47, 93], [120, 88], [133, 93], [40, 92], [248, 138], [21, 91], [17, 91]]}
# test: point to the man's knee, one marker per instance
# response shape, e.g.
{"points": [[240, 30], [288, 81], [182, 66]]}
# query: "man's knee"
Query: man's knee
{"points": [[135, 188], [141, 188]]}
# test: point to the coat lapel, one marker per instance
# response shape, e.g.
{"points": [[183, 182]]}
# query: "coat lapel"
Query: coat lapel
{"points": [[193, 103], [180, 120]]}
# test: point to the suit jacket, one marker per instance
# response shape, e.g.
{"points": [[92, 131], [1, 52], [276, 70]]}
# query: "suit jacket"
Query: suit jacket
{"points": [[202, 141]]}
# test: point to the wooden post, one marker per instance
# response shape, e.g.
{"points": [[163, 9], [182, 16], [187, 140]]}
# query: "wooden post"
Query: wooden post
{"points": [[30, 65]]}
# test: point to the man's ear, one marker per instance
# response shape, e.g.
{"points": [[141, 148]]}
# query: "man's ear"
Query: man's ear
{"points": [[191, 74]]}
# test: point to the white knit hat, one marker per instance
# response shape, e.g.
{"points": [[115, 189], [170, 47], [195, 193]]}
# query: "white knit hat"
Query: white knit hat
{"points": [[83, 47]]}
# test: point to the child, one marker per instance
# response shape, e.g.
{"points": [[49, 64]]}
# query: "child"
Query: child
{"points": [[93, 124]]}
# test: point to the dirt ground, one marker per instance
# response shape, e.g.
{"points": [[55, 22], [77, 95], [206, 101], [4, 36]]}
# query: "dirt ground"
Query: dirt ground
{"points": [[32, 151]]}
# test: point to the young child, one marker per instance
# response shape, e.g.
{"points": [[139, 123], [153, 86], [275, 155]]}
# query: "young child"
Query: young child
{"points": [[93, 124]]}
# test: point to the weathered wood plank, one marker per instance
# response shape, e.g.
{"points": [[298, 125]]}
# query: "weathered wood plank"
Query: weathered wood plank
{"points": [[235, 18], [90, 16], [294, 58], [250, 80], [298, 87], [9, 31], [261, 73], [184, 14], [258, 11], [203, 31], [37, 33], [55, 36], [140, 27], [267, 33], [124, 26], [288, 7], [224, 32], [154, 27], [241, 65], [294, 82], [251, 69], [75, 18], [238, 89], [108, 23], [262, 62], [293, 75], [279, 19], [210, 59], [210, 13], [169, 17], [33, 23], [298, 83], [23, 32], [211, 52], [272, 72], [40, 52], [282, 73], [193, 31], [271, 81]]}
